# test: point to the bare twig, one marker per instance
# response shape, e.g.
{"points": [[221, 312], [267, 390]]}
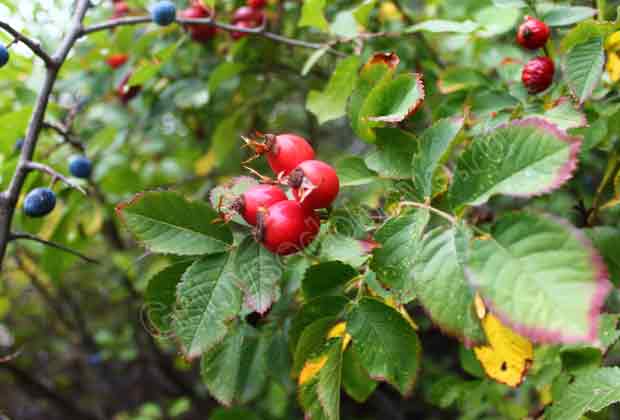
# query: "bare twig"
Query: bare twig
{"points": [[259, 31], [34, 46], [9, 198], [35, 166], [65, 134], [27, 236]]}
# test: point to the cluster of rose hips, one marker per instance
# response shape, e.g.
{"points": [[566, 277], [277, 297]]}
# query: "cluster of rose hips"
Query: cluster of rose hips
{"points": [[284, 225], [41, 201], [537, 74], [249, 16]]}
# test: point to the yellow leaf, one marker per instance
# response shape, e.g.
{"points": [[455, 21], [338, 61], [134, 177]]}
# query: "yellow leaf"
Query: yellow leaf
{"points": [[93, 222], [507, 356], [613, 66], [545, 396], [389, 12], [52, 221], [340, 330], [311, 369], [612, 43], [205, 164], [481, 310]]}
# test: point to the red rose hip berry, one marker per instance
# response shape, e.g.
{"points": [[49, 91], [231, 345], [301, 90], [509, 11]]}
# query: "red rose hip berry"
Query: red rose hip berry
{"points": [[248, 14], [532, 33], [258, 197], [286, 227], [199, 33], [117, 60], [284, 151], [315, 184], [256, 4], [537, 74]]}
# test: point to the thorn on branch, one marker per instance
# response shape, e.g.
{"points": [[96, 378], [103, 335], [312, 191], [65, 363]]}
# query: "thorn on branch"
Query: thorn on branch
{"points": [[27, 236], [34, 166]]}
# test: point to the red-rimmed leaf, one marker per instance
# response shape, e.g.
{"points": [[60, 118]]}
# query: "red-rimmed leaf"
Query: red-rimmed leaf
{"points": [[166, 222], [524, 158], [541, 276]]}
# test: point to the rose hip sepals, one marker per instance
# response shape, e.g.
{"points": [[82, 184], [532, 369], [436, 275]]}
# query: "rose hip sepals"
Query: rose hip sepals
{"points": [[315, 184], [283, 151]]}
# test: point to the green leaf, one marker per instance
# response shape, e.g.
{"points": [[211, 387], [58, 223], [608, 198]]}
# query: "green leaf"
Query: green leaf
{"points": [[344, 25], [591, 391], [258, 274], [393, 260], [144, 73], [13, 126], [352, 172], [207, 299], [524, 158], [312, 60], [345, 249], [149, 69], [223, 72], [379, 69], [222, 144], [233, 413], [312, 15], [510, 3], [160, 296], [440, 285], [166, 222], [606, 239], [394, 101], [455, 79], [541, 276], [356, 381], [565, 116], [324, 306], [363, 11], [392, 157], [435, 144], [495, 21], [567, 15], [326, 278], [332, 101], [585, 31], [236, 370], [443, 26], [584, 68], [386, 344], [330, 377]]}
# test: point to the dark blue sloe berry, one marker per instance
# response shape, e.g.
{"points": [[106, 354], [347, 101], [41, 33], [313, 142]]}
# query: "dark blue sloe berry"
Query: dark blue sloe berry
{"points": [[39, 202], [4, 55], [80, 166], [19, 144], [163, 13]]}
